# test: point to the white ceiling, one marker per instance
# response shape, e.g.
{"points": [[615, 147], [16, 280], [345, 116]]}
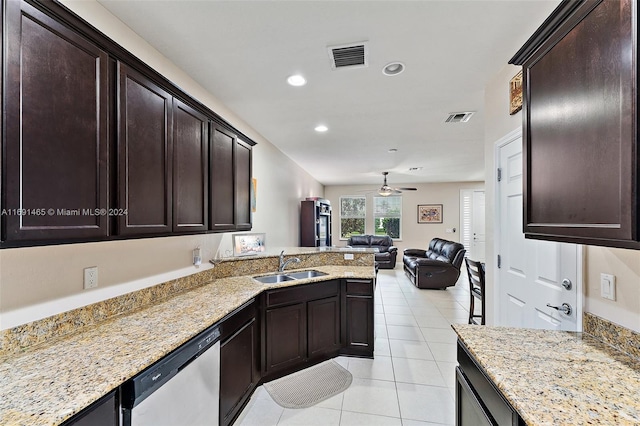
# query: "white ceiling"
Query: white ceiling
{"points": [[243, 51]]}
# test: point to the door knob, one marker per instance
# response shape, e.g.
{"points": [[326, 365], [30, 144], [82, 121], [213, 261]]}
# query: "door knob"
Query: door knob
{"points": [[566, 283], [565, 308]]}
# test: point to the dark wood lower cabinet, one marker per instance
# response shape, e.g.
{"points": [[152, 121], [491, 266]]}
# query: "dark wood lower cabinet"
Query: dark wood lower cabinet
{"points": [[478, 401], [104, 412], [239, 361], [323, 326], [286, 336], [302, 326], [358, 317]]}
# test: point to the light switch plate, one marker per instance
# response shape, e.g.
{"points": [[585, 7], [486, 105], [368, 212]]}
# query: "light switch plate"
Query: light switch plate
{"points": [[608, 286], [348, 256]]}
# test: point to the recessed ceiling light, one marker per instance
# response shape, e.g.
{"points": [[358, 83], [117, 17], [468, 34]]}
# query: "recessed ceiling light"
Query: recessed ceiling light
{"points": [[393, 68], [392, 150], [414, 169], [296, 80], [321, 128]]}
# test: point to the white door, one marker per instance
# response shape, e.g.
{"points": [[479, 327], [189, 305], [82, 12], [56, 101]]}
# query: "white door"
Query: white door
{"points": [[531, 272], [472, 224], [478, 238]]}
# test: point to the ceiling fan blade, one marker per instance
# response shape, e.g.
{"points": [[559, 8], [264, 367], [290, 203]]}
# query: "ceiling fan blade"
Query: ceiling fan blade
{"points": [[407, 189]]}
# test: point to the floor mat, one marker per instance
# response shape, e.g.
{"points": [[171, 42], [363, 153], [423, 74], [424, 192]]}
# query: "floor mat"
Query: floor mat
{"points": [[308, 387]]}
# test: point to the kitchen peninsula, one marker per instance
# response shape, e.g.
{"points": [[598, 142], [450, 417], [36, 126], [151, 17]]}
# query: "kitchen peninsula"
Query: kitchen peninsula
{"points": [[544, 377], [52, 369]]}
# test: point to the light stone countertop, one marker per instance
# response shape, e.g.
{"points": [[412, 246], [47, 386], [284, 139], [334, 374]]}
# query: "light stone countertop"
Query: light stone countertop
{"points": [[557, 377], [49, 383]]}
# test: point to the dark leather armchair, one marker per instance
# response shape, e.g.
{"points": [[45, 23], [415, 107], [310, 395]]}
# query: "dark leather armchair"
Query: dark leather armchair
{"points": [[387, 253], [436, 267]]}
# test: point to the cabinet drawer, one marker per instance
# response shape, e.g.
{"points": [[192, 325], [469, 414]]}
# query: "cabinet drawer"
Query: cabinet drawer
{"points": [[359, 287], [236, 319], [301, 293]]}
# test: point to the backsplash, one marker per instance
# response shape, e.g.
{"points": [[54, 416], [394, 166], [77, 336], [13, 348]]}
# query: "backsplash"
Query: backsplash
{"points": [[621, 338], [37, 332]]}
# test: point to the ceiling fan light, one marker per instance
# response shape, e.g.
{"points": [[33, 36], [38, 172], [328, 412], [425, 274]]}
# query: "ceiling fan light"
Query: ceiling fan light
{"points": [[385, 192]]}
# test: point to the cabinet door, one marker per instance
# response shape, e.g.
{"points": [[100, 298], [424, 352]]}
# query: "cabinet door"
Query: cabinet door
{"points": [[580, 148], [359, 321], [243, 186], [286, 336], [190, 169], [323, 326], [144, 154], [56, 143], [222, 199], [239, 372], [358, 317]]}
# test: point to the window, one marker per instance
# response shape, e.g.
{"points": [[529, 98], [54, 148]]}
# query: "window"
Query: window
{"points": [[352, 216], [387, 215]]}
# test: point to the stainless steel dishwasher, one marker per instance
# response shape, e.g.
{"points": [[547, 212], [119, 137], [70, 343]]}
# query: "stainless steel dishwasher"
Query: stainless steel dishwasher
{"points": [[182, 389]]}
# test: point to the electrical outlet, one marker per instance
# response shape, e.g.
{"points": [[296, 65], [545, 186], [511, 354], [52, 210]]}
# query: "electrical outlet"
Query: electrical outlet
{"points": [[348, 256], [608, 286], [90, 277]]}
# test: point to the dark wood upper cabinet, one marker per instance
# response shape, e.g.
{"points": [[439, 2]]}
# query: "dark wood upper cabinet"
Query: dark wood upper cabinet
{"points": [[221, 185], [56, 140], [97, 145], [581, 157], [190, 169], [243, 185], [144, 154], [230, 184]]}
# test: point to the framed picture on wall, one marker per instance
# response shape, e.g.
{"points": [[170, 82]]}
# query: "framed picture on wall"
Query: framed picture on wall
{"points": [[248, 244], [429, 213]]}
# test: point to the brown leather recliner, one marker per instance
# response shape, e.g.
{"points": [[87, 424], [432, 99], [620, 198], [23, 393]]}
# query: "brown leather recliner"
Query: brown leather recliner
{"points": [[387, 253], [436, 267]]}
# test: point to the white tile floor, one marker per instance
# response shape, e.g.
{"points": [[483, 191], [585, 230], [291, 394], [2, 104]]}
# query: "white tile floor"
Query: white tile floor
{"points": [[411, 381]]}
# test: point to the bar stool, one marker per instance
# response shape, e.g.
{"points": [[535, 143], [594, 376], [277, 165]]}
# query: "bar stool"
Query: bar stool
{"points": [[475, 271]]}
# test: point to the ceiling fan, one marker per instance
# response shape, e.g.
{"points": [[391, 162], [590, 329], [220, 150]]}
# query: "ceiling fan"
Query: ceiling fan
{"points": [[385, 190]]}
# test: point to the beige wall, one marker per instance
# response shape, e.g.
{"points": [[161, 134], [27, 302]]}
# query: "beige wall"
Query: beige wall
{"points": [[414, 234], [625, 264], [40, 281]]}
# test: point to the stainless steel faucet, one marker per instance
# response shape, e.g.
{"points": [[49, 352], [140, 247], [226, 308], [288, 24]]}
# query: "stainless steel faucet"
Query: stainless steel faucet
{"points": [[283, 263]]}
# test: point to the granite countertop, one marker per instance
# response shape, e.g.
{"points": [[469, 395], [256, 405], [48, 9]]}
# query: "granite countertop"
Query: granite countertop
{"points": [[49, 383], [557, 377]]}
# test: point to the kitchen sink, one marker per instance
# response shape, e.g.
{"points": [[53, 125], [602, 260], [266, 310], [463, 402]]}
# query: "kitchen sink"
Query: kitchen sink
{"points": [[301, 275], [272, 279], [288, 276]]}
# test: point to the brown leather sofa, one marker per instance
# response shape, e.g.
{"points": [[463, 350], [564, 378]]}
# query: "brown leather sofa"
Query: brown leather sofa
{"points": [[436, 267], [386, 258]]}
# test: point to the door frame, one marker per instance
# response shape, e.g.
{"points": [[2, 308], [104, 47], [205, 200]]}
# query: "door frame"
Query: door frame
{"points": [[512, 136]]}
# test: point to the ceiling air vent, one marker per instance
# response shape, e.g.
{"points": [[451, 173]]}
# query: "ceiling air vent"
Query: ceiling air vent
{"points": [[458, 117], [353, 55]]}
